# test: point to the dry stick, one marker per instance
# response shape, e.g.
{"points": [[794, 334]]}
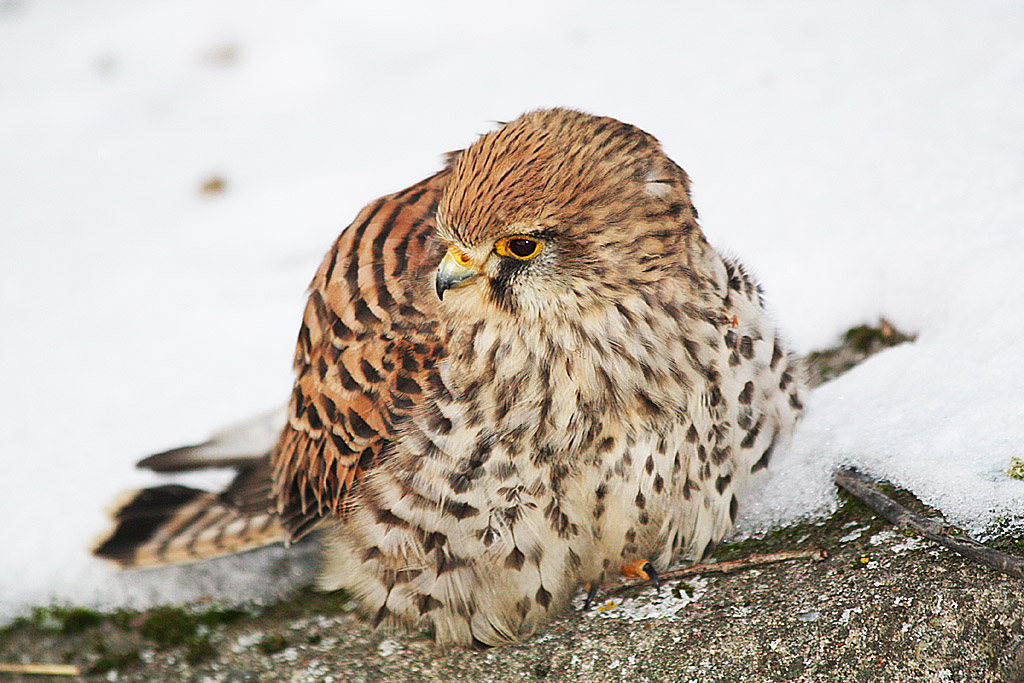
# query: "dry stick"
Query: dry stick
{"points": [[42, 669], [863, 488], [815, 554]]}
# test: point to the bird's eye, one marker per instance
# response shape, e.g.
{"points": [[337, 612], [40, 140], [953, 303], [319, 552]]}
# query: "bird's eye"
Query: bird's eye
{"points": [[518, 247]]}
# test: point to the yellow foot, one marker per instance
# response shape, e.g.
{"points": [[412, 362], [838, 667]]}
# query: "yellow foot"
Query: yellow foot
{"points": [[641, 569]]}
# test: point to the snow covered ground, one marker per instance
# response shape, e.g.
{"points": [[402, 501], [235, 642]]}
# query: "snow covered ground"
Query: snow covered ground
{"points": [[864, 159]]}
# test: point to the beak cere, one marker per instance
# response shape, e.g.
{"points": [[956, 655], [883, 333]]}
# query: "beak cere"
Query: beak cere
{"points": [[454, 269]]}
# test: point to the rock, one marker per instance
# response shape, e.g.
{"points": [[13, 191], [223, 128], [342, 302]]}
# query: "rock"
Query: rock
{"points": [[880, 608]]}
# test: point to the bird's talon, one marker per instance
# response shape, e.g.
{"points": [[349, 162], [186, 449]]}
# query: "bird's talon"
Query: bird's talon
{"points": [[592, 590], [642, 569], [652, 575]]}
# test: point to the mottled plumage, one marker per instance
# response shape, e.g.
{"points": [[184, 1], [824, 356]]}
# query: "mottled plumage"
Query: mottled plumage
{"points": [[522, 373]]}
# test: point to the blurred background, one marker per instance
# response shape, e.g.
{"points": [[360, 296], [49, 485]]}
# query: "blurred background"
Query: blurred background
{"points": [[172, 171]]}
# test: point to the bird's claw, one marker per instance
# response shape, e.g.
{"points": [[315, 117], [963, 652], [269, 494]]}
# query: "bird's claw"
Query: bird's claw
{"points": [[592, 591], [652, 575], [642, 569]]}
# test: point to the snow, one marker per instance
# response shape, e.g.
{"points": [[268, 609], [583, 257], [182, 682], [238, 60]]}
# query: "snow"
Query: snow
{"points": [[864, 159]]}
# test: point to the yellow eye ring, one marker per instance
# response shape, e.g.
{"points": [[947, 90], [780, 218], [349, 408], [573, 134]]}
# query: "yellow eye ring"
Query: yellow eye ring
{"points": [[519, 247]]}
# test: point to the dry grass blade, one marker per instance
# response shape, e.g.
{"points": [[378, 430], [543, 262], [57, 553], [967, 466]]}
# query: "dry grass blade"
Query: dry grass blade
{"points": [[40, 669]]}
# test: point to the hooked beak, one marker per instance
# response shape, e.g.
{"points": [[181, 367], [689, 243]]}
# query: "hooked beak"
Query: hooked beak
{"points": [[454, 269]]}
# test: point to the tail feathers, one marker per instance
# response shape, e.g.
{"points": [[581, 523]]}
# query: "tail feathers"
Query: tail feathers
{"points": [[242, 444], [173, 524]]}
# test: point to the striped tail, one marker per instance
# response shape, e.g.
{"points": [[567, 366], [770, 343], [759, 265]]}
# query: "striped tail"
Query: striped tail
{"points": [[173, 524]]}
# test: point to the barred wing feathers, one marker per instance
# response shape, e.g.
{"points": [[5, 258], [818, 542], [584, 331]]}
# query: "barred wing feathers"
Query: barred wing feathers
{"points": [[366, 350]]}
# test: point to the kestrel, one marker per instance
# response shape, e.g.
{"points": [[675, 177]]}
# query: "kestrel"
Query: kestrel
{"points": [[526, 372]]}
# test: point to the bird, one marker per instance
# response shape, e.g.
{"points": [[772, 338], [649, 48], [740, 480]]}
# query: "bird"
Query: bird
{"points": [[526, 373]]}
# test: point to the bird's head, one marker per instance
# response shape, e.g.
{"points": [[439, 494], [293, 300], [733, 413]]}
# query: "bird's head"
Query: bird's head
{"points": [[557, 211]]}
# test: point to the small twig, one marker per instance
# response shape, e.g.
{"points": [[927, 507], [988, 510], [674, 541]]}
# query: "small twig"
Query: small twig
{"points": [[815, 555], [864, 489], [43, 669]]}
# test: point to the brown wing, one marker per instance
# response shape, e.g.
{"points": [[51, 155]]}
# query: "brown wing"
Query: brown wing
{"points": [[368, 344]]}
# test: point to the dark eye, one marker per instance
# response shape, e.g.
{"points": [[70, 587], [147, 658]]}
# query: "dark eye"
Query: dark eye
{"points": [[518, 247], [522, 248]]}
